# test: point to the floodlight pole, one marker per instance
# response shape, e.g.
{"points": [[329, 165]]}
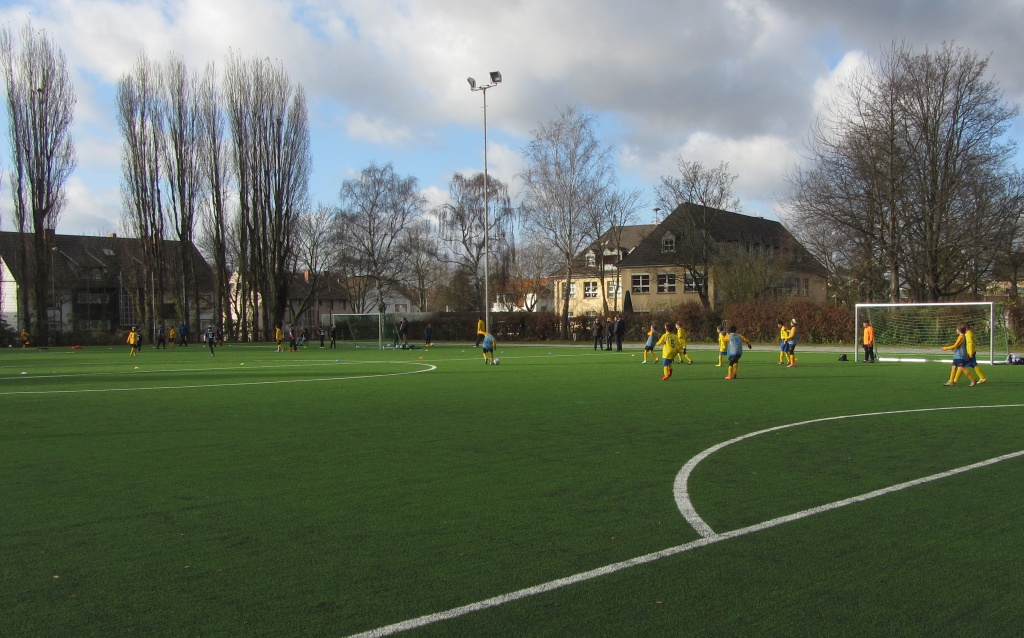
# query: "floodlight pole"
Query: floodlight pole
{"points": [[495, 80]]}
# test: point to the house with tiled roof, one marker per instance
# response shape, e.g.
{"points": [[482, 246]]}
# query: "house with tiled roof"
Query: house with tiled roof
{"points": [[97, 283], [596, 283], [669, 265]]}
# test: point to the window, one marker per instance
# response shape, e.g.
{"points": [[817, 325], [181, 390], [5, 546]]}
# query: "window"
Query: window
{"points": [[401, 307], [691, 283], [641, 283], [614, 289], [591, 260], [668, 244], [666, 282], [807, 288], [590, 289], [572, 290]]}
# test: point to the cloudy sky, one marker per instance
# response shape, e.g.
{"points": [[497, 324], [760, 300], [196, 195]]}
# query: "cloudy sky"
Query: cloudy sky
{"points": [[710, 80]]}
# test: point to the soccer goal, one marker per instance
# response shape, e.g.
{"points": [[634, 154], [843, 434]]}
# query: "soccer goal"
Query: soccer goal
{"points": [[374, 330], [917, 331]]}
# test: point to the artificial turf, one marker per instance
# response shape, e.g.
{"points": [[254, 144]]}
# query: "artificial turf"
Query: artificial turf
{"points": [[335, 492]]}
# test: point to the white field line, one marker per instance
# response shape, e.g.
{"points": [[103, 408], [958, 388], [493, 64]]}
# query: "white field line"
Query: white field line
{"points": [[426, 368], [681, 486], [704, 541]]}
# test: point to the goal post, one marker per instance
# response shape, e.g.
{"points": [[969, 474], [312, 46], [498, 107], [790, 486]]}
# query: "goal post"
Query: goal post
{"points": [[917, 331], [366, 330]]}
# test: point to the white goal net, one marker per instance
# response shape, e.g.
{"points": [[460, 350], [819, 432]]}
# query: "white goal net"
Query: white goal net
{"points": [[366, 330], [917, 331]]}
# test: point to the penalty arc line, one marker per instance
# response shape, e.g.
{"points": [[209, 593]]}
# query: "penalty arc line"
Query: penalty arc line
{"points": [[681, 489], [429, 619]]}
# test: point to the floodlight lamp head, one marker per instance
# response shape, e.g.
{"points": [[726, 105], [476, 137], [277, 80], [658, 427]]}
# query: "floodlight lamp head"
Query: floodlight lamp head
{"points": [[495, 77], [472, 84]]}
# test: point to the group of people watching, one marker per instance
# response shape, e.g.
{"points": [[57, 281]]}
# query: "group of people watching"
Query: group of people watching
{"points": [[607, 332]]}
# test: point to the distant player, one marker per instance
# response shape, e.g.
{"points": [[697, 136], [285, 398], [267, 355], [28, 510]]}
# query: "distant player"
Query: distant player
{"points": [[972, 361], [669, 343], [428, 336], [481, 331], [133, 342], [172, 337], [783, 333], [323, 335], [723, 343], [681, 337], [161, 339], [735, 350], [211, 338], [652, 337], [959, 348], [488, 344], [279, 338]]}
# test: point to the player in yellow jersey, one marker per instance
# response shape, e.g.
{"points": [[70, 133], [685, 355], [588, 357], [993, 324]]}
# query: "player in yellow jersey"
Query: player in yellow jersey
{"points": [[791, 344], [133, 342], [279, 338], [669, 343], [783, 333], [972, 361], [723, 342], [681, 337], [481, 331]]}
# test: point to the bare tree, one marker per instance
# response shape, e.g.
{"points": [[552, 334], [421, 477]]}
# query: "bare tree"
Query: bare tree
{"points": [[213, 161], [462, 225], [140, 117], [316, 251], [379, 207], [613, 210], [426, 271], [908, 159], [567, 171], [40, 108], [184, 172], [269, 127], [534, 262], [710, 191]]}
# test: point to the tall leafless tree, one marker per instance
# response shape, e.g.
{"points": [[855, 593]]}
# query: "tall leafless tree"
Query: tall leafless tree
{"points": [[140, 117], [462, 222], [615, 209], [709, 190], [379, 207], [567, 171], [269, 127], [40, 107], [184, 174], [909, 165], [214, 168]]}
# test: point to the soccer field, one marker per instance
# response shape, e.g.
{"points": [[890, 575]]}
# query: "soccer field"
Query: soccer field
{"points": [[565, 492]]}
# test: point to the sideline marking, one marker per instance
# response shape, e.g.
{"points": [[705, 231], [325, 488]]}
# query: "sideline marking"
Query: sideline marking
{"points": [[705, 540], [427, 368]]}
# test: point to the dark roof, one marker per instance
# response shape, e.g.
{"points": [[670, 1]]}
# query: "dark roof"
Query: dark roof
{"points": [[629, 237], [79, 256], [330, 287], [724, 227]]}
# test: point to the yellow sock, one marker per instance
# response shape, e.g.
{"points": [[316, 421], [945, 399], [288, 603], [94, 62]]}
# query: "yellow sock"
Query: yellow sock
{"points": [[969, 375], [977, 371], [953, 375]]}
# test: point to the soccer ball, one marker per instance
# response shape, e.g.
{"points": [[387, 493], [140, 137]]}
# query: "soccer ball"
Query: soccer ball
{"points": [[497, 361]]}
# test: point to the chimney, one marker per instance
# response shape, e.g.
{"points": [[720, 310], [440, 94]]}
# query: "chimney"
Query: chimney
{"points": [[113, 235], [305, 275]]}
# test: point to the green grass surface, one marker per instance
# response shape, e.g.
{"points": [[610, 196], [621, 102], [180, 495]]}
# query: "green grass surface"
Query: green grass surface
{"points": [[327, 493]]}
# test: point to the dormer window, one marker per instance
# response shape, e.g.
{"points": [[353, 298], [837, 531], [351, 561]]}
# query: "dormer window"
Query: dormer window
{"points": [[591, 260], [668, 243]]}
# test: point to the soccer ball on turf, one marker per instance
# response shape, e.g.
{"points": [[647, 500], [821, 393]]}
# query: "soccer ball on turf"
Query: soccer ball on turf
{"points": [[497, 361]]}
